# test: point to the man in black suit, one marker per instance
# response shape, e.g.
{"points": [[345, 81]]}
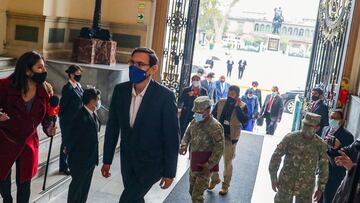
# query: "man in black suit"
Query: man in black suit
{"points": [[337, 137], [272, 110], [319, 107], [70, 103], [186, 102], [83, 147], [145, 113], [210, 87]]}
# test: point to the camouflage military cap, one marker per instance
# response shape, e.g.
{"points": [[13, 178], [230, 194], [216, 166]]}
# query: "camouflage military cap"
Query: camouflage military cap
{"points": [[201, 104], [311, 119]]}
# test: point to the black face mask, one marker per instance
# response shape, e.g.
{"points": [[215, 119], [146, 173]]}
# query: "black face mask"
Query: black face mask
{"points": [[231, 100], [39, 78], [314, 98], [77, 78]]}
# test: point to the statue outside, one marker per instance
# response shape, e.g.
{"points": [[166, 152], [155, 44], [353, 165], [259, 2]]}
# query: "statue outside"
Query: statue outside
{"points": [[277, 20]]}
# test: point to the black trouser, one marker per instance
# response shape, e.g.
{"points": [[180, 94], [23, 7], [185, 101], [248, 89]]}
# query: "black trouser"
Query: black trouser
{"points": [[23, 189], [134, 191], [229, 72], [63, 166], [241, 72], [80, 185], [270, 125]]}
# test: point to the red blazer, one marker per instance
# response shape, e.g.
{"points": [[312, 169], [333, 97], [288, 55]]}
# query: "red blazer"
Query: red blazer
{"points": [[18, 136]]}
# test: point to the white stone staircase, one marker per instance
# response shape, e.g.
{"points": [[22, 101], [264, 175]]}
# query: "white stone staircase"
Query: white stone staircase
{"points": [[56, 183], [7, 66]]}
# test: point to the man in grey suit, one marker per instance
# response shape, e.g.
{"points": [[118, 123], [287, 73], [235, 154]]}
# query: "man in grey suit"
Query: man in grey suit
{"points": [[145, 114], [209, 85]]}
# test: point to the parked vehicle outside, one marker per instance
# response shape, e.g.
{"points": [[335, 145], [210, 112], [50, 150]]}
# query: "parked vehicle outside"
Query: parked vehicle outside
{"points": [[289, 99]]}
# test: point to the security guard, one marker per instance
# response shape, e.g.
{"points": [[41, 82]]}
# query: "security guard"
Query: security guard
{"points": [[304, 152], [206, 137]]}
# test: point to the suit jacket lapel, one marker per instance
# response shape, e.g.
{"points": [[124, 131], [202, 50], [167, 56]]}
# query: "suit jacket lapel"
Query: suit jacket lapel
{"points": [[91, 119], [145, 102]]}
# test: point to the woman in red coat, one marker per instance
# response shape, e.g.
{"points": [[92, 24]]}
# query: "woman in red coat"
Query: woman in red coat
{"points": [[24, 100]]}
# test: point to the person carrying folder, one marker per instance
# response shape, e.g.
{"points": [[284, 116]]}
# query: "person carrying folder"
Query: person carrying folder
{"points": [[206, 137]]}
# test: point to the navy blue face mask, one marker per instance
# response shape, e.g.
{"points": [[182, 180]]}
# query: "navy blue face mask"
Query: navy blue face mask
{"points": [[136, 75]]}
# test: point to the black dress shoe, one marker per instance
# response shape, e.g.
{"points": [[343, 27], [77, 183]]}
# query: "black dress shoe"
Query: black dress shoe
{"points": [[66, 172]]}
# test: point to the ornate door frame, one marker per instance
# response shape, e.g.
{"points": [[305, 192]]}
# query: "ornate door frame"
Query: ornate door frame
{"points": [[179, 43], [330, 48]]}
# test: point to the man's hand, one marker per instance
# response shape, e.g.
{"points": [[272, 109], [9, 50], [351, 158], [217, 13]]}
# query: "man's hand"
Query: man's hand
{"points": [[317, 195], [240, 103], [65, 150], [275, 185], [3, 116], [337, 144], [165, 183], [105, 170], [204, 168], [344, 161], [191, 93], [51, 130], [183, 149]]}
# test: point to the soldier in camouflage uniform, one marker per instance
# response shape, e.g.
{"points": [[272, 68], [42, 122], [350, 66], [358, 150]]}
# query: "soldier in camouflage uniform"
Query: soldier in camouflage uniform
{"points": [[204, 134], [304, 154]]}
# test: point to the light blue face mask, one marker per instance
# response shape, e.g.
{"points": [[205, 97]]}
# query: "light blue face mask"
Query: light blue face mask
{"points": [[98, 105], [198, 117], [334, 124]]}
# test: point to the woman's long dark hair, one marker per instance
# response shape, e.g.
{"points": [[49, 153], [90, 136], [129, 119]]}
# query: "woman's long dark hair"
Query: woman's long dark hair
{"points": [[24, 63]]}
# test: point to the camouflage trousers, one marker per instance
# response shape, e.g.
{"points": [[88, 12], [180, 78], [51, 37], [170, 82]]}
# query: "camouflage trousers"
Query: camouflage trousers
{"points": [[198, 184], [229, 155], [284, 197]]}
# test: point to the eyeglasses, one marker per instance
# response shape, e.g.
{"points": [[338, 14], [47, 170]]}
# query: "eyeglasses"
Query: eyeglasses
{"points": [[137, 64]]}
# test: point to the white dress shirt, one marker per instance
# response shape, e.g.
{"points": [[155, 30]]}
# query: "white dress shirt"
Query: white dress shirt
{"points": [[74, 84], [135, 103]]}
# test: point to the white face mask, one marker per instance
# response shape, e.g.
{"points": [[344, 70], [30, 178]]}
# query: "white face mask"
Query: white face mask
{"points": [[196, 83], [308, 130]]}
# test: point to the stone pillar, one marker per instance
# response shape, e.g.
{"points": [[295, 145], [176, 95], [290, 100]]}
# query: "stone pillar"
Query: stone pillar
{"points": [[158, 40], [352, 63]]}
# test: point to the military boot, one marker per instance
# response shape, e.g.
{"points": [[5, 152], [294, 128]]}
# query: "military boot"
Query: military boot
{"points": [[225, 186], [213, 183]]}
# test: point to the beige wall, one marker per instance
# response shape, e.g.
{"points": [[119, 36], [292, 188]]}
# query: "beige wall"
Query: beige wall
{"points": [[26, 6], [2, 31], [118, 11]]}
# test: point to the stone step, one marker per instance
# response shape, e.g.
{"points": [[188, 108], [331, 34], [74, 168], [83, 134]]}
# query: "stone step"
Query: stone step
{"points": [[5, 71], [7, 61], [54, 179], [56, 183]]}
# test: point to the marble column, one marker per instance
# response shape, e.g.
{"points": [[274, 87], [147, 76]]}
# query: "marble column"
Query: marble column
{"points": [[158, 40]]}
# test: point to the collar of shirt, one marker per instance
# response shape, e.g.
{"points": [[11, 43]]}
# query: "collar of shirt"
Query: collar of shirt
{"points": [[74, 84], [90, 112], [142, 93]]}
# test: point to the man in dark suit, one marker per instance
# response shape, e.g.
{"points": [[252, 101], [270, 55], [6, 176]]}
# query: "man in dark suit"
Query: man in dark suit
{"points": [[83, 147], [186, 102], [70, 103], [222, 89], [337, 137], [319, 107], [272, 110], [145, 113], [209, 85]]}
